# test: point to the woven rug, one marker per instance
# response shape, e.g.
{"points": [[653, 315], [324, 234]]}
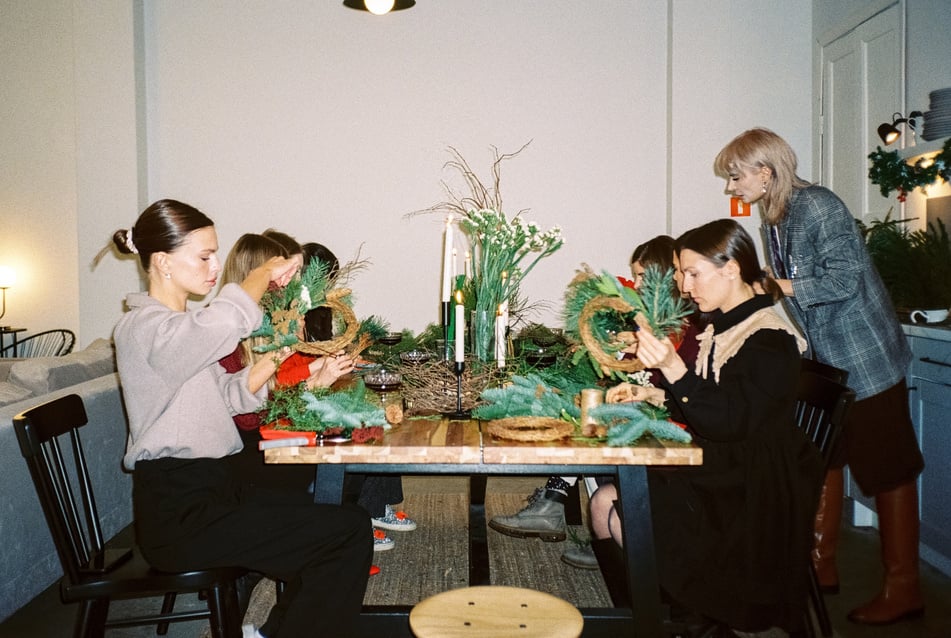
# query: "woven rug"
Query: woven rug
{"points": [[434, 557]]}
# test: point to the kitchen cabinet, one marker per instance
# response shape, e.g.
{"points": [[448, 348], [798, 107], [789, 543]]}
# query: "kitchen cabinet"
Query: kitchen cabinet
{"points": [[929, 397]]}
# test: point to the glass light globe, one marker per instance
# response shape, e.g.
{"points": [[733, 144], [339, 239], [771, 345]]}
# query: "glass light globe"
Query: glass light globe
{"points": [[379, 7], [7, 277]]}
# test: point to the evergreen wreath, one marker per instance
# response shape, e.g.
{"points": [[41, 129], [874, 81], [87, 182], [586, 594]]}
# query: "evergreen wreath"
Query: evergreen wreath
{"points": [[284, 310], [890, 172], [603, 313]]}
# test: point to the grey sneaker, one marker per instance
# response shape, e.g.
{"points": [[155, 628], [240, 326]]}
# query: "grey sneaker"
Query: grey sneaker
{"points": [[544, 517]]}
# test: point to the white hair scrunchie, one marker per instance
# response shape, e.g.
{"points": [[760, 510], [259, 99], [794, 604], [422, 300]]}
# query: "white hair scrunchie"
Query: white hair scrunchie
{"points": [[129, 244]]}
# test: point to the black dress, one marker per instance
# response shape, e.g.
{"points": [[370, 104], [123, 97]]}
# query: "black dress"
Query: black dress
{"points": [[733, 535]]}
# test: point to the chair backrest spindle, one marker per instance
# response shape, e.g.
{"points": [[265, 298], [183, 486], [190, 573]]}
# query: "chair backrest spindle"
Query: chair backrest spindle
{"points": [[49, 343]]}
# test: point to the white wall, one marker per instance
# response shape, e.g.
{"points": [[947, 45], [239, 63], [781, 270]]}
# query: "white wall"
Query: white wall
{"points": [[38, 234], [728, 75], [332, 124]]}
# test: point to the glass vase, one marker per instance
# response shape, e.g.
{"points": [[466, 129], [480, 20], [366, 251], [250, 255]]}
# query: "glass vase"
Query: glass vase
{"points": [[482, 334]]}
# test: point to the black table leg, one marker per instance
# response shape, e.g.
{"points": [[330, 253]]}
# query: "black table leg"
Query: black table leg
{"points": [[478, 538], [328, 483], [635, 513]]}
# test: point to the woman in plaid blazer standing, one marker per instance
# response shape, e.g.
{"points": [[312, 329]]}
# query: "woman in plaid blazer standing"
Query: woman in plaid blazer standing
{"points": [[837, 298]]}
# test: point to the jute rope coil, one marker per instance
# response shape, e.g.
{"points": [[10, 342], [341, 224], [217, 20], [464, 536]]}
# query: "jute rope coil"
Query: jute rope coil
{"points": [[594, 306], [334, 301], [530, 428]]}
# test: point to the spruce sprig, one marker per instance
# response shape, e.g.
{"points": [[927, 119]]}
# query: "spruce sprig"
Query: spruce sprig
{"points": [[628, 422], [528, 395]]}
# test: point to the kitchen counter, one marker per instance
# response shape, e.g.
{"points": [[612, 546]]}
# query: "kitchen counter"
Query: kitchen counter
{"points": [[940, 331]]}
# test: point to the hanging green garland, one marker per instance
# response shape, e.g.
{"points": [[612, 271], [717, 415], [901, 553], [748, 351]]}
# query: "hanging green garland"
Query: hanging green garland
{"points": [[890, 172]]}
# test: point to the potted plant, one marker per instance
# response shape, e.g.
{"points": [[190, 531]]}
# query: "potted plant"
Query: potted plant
{"points": [[915, 266]]}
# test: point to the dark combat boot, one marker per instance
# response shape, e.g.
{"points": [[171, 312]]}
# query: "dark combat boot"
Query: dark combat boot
{"points": [[544, 517]]}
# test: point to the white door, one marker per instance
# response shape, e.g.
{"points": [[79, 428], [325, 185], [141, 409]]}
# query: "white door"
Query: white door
{"points": [[862, 78]]}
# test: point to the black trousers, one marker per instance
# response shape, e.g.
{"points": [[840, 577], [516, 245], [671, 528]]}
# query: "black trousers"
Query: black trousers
{"points": [[196, 513]]}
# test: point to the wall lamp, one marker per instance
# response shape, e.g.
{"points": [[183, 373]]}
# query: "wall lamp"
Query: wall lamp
{"points": [[379, 7], [889, 132], [7, 279]]}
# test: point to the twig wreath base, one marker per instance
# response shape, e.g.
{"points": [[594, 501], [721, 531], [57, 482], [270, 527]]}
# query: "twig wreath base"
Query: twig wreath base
{"points": [[530, 428], [334, 301], [609, 362]]}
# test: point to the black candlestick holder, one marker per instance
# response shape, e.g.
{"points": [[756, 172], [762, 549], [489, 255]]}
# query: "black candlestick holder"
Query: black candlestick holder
{"points": [[458, 368], [445, 330]]}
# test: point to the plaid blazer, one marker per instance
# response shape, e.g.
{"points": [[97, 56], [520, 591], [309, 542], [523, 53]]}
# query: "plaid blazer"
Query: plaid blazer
{"points": [[839, 302]]}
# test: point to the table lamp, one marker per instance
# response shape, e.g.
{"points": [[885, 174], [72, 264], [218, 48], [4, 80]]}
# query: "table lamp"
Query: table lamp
{"points": [[7, 279]]}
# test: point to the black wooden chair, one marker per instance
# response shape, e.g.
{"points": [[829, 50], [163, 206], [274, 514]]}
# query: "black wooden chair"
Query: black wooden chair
{"points": [[823, 401], [49, 343], [93, 574]]}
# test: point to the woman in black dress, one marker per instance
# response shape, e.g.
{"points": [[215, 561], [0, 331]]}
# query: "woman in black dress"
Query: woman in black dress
{"points": [[733, 535]]}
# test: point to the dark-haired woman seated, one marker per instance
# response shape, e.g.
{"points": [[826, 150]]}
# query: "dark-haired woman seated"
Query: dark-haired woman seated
{"points": [[733, 535]]}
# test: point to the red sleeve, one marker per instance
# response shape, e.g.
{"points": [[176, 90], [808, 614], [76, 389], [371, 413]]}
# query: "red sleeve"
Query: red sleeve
{"points": [[249, 421], [294, 369], [232, 363]]}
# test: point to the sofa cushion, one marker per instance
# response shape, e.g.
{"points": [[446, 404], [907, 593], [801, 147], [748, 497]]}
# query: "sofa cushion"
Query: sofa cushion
{"points": [[11, 393], [39, 375]]}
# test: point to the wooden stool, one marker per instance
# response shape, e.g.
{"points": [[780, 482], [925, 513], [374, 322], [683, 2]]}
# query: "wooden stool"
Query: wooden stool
{"points": [[495, 612]]}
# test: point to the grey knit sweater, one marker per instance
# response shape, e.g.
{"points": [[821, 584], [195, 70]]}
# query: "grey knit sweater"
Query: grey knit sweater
{"points": [[179, 399]]}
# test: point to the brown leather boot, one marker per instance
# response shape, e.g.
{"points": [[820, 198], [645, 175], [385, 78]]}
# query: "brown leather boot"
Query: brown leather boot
{"points": [[828, 519], [898, 525]]}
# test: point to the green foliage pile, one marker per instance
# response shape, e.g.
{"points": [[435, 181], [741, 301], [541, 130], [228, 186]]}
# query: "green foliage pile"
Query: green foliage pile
{"points": [[914, 266], [322, 409]]}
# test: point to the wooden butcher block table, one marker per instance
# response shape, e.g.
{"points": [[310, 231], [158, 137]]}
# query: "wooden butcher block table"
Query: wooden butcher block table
{"points": [[443, 446]]}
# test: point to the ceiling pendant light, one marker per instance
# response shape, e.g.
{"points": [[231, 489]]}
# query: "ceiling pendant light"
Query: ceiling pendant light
{"points": [[379, 7]]}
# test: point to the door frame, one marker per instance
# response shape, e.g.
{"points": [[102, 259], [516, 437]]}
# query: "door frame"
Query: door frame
{"points": [[845, 26]]}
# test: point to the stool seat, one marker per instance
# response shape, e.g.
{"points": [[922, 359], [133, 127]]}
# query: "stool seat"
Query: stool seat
{"points": [[495, 612]]}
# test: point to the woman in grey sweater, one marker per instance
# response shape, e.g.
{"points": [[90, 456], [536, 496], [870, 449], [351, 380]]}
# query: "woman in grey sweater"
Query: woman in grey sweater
{"points": [[191, 510]]}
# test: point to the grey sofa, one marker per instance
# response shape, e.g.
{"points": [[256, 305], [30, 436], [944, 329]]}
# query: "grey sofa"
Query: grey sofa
{"points": [[28, 560]]}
